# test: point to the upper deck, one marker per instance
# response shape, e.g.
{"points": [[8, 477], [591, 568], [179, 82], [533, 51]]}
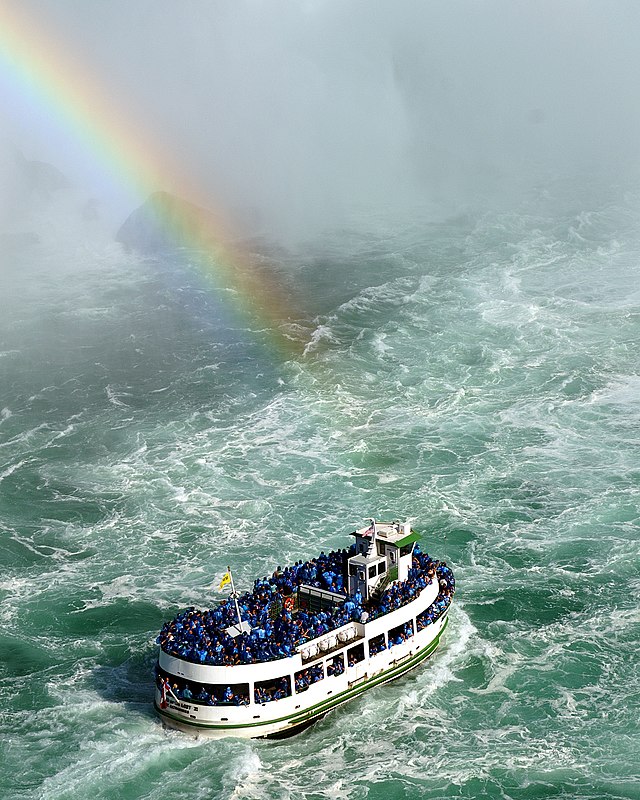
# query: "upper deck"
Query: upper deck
{"points": [[287, 612], [307, 600]]}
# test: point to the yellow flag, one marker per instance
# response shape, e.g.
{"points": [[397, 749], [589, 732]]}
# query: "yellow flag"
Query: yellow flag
{"points": [[226, 578]]}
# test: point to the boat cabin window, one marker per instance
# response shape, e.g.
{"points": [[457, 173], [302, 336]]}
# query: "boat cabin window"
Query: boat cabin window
{"points": [[372, 572], [426, 618], [208, 694], [236, 694], [335, 665], [355, 655], [404, 551], [274, 689], [382, 566], [304, 678], [377, 645], [401, 633]]}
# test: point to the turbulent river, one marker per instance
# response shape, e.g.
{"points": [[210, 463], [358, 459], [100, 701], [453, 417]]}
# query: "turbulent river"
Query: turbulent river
{"points": [[480, 375]]}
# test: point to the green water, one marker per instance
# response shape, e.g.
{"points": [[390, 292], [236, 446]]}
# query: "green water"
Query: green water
{"points": [[481, 376]]}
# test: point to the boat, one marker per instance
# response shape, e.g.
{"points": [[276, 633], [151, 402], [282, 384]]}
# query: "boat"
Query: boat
{"points": [[268, 663]]}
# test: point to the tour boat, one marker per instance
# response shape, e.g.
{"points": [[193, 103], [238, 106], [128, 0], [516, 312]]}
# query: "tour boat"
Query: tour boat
{"points": [[314, 635]]}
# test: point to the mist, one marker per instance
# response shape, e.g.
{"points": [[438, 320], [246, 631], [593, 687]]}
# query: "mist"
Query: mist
{"points": [[295, 117]]}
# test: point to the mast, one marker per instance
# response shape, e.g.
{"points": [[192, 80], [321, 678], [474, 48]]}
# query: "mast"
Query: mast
{"points": [[234, 595]]}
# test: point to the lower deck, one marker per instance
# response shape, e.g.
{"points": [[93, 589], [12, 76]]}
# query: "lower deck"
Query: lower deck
{"points": [[290, 701]]}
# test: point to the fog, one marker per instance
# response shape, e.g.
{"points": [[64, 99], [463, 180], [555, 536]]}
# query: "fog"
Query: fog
{"points": [[295, 116]]}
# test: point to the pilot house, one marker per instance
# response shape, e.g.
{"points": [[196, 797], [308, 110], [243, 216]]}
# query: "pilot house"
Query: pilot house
{"points": [[383, 554]]}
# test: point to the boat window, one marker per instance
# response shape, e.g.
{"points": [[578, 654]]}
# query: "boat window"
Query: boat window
{"points": [[353, 569], [382, 566], [304, 678], [236, 694], [335, 665], [372, 572], [401, 633], [355, 655], [426, 618], [208, 694], [404, 551], [377, 645], [274, 689]]}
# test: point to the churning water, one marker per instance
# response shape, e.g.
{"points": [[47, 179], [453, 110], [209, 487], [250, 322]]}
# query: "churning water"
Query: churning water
{"points": [[481, 376]]}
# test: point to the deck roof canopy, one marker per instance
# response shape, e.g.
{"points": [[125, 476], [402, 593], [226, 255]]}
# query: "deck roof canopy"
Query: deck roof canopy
{"points": [[391, 532], [410, 539]]}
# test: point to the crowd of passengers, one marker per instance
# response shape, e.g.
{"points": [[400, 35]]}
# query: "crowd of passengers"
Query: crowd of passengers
{"points": [[306, 677], [396, 636], [447, 587], [198, 693], [238, 695], [200, 636], [324, 572], [335, 666], [401, 634], [266, 693], [422, 572]]}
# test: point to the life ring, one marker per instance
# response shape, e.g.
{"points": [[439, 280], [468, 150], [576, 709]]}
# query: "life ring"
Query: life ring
{"points": [[288, 603]]}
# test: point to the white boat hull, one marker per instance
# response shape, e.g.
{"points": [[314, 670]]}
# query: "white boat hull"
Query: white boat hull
{"points": [[291, 714]]}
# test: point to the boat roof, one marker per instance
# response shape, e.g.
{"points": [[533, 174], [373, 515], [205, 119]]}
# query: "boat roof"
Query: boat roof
{"points": [[391, 532]]}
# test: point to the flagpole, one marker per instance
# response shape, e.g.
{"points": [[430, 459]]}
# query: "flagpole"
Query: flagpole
{"points": [[171, 692], [235, 597]]}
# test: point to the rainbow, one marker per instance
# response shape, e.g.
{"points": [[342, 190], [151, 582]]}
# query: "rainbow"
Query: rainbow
{"points": [[42, 72]]}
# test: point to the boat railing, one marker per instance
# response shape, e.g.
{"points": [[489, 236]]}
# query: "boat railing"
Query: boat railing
{"points": [[313, 599]]}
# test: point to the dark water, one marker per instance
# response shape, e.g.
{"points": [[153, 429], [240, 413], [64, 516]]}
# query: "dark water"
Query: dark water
{"points": [[481, 376]]}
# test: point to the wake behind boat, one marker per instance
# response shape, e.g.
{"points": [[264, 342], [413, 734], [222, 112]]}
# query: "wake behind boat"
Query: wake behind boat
{"points": [[306, 640]]}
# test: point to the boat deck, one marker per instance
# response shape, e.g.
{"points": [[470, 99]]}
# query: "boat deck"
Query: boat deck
{"points": [[273, 631]]}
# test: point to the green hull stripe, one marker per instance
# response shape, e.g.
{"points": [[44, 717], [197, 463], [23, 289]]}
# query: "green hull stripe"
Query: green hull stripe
{"points": [[326, 705]]}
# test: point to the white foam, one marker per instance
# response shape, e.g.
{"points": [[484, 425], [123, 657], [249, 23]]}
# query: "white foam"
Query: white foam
{"points": [[129, 749], [386, 477], [322, 333], [380, 344], [11, 469], [623, 391], [114, 396], [246, 775]]}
